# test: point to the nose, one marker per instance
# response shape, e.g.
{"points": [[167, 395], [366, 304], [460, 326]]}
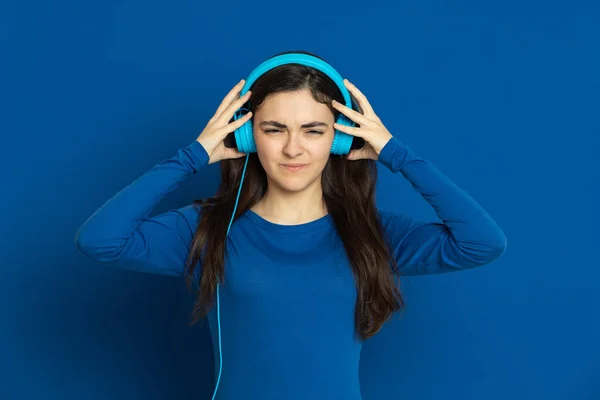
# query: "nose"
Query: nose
{"points": [[293, 146]]}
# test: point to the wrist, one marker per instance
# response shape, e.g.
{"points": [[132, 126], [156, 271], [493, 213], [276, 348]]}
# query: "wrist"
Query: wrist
{"points": [[384, 143]]}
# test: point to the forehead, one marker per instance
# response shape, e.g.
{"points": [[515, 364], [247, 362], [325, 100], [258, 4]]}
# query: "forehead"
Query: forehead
{"points": [[296, 102]]}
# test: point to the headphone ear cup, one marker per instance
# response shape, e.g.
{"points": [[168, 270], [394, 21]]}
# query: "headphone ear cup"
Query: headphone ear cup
{"points": [[229, 140], [355, 105], [244, 137], [342, 142], [232, 141]]}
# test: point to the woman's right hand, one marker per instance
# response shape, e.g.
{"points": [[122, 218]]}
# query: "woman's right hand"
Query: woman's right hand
{"points": [[218, 127]]}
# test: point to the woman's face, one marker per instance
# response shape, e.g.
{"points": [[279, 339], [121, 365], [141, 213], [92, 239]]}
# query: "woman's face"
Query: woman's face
{"points": [[293, 128]]}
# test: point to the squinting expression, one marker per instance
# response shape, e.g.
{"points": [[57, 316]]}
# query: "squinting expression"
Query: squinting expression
{"points": [[293, 134]]}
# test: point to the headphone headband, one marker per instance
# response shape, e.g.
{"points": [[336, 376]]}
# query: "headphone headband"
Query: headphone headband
{"points": [[303, 59]]}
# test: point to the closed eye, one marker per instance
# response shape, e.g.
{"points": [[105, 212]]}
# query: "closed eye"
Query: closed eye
{"points": [[277, 130]]}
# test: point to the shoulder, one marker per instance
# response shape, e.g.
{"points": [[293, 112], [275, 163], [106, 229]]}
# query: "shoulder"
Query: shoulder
{"points": [[186, 218]]}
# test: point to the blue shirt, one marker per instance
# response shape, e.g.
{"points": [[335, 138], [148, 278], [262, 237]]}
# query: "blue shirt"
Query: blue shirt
{"points": [[287, 304]]}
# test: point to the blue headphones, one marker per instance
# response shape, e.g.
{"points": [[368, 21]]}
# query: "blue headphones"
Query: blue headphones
{"points": [[342, 142], [243, 139]]}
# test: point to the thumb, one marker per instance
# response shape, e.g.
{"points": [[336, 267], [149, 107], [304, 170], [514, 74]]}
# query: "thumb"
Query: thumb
{"points": [[356, 154], [234, 153]]}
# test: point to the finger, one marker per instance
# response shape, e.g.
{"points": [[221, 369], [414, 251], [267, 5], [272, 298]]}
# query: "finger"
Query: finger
{"points": [[233, 93], [229, 152], [354, 131], [229, 111], [358, 154], [225, 130], [361, 98], [350, 113], [234, 153]]}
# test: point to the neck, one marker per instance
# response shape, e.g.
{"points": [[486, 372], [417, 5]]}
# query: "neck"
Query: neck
{"points": [[287, 208]]}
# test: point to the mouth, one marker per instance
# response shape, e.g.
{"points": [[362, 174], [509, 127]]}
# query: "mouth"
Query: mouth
{"points": [[293, 167]]}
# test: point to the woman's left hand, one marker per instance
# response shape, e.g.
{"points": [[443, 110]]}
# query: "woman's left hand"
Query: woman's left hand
{"points": [[371, 128]]}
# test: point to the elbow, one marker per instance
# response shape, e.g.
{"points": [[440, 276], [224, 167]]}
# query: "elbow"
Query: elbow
{"points": [[497, 253], [84, 244], [484, 253], [94, 248], [496, 248], [499, 244]]}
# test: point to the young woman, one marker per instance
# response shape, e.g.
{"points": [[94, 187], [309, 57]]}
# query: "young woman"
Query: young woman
{"points": [[301, 263]]}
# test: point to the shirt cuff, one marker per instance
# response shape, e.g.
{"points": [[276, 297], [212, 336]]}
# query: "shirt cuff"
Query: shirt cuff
{"points": [[395, 155], [198, 154]]}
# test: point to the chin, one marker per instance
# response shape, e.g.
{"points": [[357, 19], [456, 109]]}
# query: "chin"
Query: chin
{"points": [[292, 185]]}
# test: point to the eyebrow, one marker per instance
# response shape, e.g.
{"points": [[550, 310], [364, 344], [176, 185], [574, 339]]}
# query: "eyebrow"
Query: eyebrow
{"points": [[283, 126]]}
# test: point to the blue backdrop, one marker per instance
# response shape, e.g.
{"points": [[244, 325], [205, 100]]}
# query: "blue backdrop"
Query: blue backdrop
{"points": [[502, 98]]}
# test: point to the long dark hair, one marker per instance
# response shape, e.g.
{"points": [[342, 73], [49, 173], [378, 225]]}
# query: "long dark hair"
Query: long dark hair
{"points": [[349, 196]]}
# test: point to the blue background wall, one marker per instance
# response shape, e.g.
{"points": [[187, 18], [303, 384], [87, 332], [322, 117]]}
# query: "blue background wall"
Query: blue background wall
{"points": [[503, 98]]}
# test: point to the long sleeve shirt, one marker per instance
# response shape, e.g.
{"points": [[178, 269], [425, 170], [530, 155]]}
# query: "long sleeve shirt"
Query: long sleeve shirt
{"points": [[287, 306]]}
